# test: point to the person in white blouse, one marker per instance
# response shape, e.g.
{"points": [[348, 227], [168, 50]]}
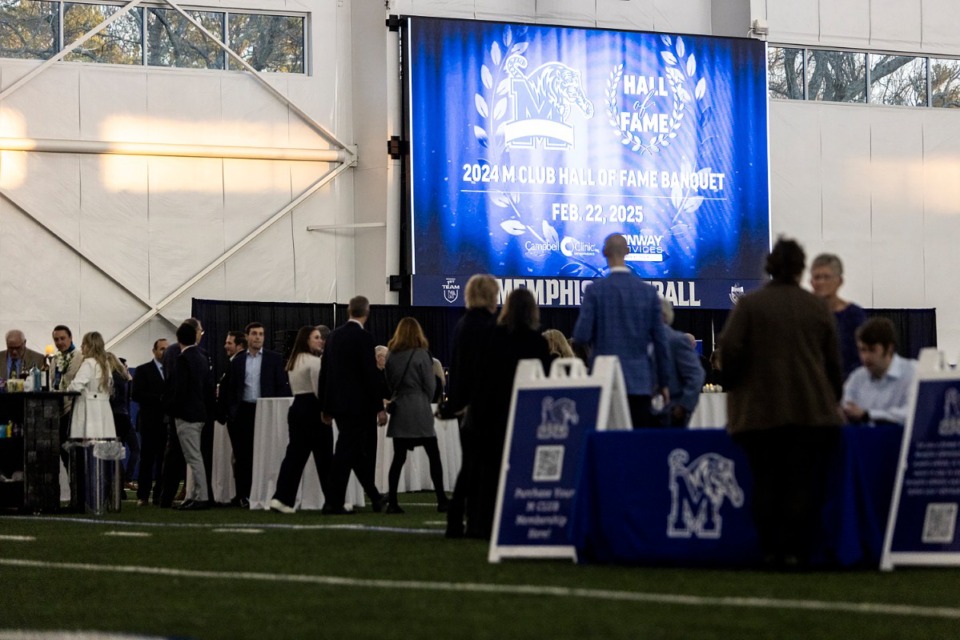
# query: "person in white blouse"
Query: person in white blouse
{"points": [[308, 433], [92, 416]]}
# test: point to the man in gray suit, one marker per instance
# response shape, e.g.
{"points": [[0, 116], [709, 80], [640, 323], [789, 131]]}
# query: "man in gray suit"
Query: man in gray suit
{"points": [[17, 359]]}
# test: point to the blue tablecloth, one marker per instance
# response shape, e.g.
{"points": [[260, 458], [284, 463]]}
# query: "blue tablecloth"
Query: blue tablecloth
{"points": [[682, 498]]}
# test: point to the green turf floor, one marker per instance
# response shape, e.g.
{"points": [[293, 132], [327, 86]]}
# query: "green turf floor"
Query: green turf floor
{"points": [[230, 573]]}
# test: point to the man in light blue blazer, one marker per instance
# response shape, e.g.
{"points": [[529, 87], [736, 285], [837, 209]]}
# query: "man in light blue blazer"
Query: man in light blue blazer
{"points": [[620, 316]]}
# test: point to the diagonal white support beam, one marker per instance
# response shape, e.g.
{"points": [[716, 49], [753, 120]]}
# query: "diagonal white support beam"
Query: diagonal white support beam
{"points": [[67, 50], [76, 250], [316, 126], [156, 309]]}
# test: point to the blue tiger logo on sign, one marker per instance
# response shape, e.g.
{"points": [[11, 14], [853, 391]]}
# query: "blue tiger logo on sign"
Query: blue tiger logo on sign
{"points": [[698, 491]]}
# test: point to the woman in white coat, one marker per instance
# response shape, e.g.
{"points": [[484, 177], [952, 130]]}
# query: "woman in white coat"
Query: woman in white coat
{"points": [[92, 416]]}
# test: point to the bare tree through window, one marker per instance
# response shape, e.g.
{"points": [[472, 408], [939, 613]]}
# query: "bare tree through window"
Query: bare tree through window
{"points": [[172, 41], [119, 43], [268, 43], [28, 29]]}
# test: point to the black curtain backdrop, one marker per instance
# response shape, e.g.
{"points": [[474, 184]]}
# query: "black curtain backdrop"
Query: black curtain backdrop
{"points": [[916, 328], [281, 321]]}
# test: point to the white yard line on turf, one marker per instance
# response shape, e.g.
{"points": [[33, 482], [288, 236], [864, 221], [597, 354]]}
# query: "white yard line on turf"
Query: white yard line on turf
{"points": [[872, 608], [17, 538], [240, 525]]}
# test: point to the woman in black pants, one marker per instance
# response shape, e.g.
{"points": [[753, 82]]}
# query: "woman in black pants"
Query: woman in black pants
{"points": [[412, 384], [308, 434]]}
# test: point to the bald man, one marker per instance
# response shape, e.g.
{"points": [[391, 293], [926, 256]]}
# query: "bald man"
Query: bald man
{"points": [[620, 316], [17, 359]]}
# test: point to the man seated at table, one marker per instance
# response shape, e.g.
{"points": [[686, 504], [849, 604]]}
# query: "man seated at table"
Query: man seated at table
{"points": [[877, 392]]}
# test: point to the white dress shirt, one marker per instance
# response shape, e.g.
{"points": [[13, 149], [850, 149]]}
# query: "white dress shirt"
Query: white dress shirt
{"points": [[884, 398]]}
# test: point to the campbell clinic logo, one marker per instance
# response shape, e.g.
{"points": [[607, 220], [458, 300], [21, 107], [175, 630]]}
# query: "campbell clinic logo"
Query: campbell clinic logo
{"points": [[451, 290], [698, 490], [543, 102], [571, 247]]}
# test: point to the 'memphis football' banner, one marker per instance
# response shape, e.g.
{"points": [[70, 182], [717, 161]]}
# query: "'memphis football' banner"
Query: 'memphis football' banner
{"points": [[529, 144]]}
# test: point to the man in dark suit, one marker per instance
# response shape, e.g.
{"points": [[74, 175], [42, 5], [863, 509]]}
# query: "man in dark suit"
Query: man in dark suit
{"points": [[174, 465], [620, 316], [351, 392], [191, 406], [253, 374], [148, 382], [17, 359]]}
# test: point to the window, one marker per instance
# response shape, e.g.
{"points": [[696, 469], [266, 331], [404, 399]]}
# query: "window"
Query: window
{"points": [[785, 73], [945, 83], [29, 29], [172, 41], [267, 43], [119, 43], [898, 80], [836, 76]]}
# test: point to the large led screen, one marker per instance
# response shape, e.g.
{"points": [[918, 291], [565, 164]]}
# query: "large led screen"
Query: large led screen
{"points": [[530, 144]]}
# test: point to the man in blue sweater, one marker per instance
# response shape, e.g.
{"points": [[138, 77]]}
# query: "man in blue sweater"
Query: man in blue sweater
{"points": [[620, 316]]}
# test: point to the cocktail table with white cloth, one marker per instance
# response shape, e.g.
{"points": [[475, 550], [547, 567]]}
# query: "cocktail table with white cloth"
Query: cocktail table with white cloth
{"points": [[270, 439], [710, 413], [270, 444]]}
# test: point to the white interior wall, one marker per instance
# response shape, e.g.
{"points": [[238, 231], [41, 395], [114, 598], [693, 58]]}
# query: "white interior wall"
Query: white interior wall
{"points": [[878, 185], [126, 232]]}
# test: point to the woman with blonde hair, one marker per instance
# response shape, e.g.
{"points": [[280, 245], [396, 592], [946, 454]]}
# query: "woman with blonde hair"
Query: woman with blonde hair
{"points": [[412, 383], [92, 416], [558, 344]]}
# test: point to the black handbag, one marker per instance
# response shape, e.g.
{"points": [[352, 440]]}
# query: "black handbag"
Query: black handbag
{"points": [[391, 407]]}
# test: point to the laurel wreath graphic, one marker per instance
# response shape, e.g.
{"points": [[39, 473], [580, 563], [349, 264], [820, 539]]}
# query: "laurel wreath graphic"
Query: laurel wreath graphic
{"points": [[681, 69], [497, 85]]}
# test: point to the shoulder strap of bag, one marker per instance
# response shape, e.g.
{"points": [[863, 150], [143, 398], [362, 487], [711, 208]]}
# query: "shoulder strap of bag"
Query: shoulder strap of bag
{"points": [[404, 374]]}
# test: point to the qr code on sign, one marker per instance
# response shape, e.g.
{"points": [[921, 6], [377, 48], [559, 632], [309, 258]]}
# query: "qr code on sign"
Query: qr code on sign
{"points": [[940, 522], [548, 463]]}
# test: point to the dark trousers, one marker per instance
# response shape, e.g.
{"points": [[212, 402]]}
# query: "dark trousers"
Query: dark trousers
{"points": [[174, 465], [640, 413], [240, 429], [153, 440], [308, 435], [400, 448], [353, 454], [64, 436], [789, 467], [465, 498]]}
